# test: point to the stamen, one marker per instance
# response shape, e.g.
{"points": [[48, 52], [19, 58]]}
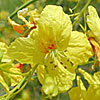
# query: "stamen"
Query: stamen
{"points": [[51, 62], [65, 67], [65, 50], [71, 63], [52, 45], [61, 63], [55, 66], [67, 59]]}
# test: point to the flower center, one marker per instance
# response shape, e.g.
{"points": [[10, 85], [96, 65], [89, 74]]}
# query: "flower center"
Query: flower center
{"points": [[47, 47], [52, 47]]}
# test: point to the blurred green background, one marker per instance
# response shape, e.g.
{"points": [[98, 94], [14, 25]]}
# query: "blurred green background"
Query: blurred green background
{"points": [[33, 90]]}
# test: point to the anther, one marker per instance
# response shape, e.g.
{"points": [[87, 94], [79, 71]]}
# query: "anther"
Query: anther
{"points": [[55, 66], [67, 59], [51, 62], [65, 50], [61, 63], [65, 67], [71, 63]]}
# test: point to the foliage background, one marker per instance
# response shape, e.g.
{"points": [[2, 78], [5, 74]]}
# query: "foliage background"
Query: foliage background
{"points": [[7, 35]]}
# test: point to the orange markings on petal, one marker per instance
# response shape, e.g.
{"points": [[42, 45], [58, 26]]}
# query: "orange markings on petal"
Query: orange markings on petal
{"points": [[97, 48], [24, 25], [52, 46], [98, 53], [19, 66], [19, 28]]}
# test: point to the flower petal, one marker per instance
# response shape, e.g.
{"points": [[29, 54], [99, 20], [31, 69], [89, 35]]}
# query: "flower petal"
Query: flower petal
{"points": [[94, 85], [25, 50], [7, 79], [3, 48], [93, 92], [79, 49], [22, 14], [93, 22], [55, 25], [95, 79], [17, 27], [63, 78], [76, 93]]}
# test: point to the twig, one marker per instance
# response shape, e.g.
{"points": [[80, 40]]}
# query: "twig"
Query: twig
{"points": [[21, 7]]}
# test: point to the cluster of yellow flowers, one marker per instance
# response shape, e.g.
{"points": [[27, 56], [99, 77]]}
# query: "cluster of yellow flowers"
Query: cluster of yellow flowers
{"points": [[51, 42]]}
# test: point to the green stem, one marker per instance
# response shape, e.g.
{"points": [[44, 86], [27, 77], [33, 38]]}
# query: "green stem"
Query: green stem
{"points": [[75, 14], [13, 90], [81, 27], [27, 78], [22, 86], [3, 95], [21, 7], [85, 25], [77, 5], [82, 11]]}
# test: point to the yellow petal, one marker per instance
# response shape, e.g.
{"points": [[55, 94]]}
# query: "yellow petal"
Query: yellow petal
{"points": [[95, 79], [97, 48], [22, 14], [15, 79], [93, 92], [93, 22], [54, 25], [4, 48], [79, 49], [62, 77], [34, 16], [26, 50], [76, 93], [92, 11], [49, 87], [8, 79], [3, 83], [17, 27]]}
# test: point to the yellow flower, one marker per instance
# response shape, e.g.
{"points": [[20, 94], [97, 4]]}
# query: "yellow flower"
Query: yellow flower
{"points": [[53, 45], [76, 92], [6, 67], [93, 22], [30, 23], [93, 91]]}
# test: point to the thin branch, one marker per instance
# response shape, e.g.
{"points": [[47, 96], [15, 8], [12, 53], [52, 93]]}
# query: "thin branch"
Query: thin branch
{"points": [[21, 7]]}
